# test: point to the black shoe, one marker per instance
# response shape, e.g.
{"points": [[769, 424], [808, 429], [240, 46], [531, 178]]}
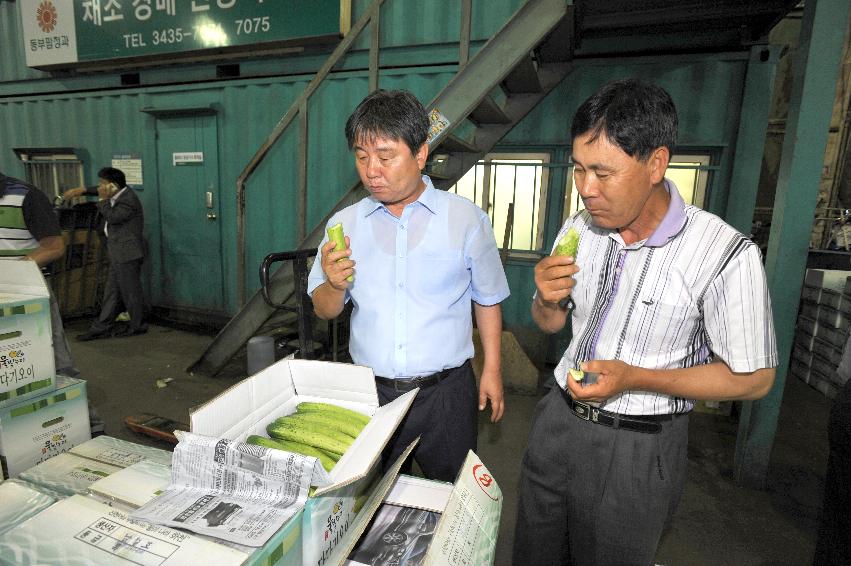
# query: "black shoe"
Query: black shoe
{"points": [[130, 332], [93, 335]]}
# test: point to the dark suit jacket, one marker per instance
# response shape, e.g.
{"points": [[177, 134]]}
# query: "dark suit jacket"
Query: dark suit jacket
{"points": [[125, 222]]}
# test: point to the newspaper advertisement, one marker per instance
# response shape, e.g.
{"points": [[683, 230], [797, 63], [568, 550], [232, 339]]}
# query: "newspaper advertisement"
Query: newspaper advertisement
{"points": [[234, 491]]}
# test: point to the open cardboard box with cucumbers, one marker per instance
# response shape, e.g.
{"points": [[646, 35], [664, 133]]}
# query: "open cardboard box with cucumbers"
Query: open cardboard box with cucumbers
{"points": [[249, 406]]}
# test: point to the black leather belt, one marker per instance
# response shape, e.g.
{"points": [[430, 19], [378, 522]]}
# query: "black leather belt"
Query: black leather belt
{"points": [[650, 424], [406, 384]]}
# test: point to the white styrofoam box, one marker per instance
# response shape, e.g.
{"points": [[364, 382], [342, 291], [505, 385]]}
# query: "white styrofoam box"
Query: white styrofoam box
{"points": [[809, 309], [802, 354], [27, 367], [823, 366], [134, 485], [810, 293], [68, 473], [827, 278], [249, 406], [807, 325], [800, 370], [827, 351], [20, 502], [835, 299], [37, 429], [467, 529], [119, 452], [85, 531], [834, 336], [830, 316]]}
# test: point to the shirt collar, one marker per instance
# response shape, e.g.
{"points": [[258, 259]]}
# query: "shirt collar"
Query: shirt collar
{"points": [[428, 199], [673, 221], [114, 197]]}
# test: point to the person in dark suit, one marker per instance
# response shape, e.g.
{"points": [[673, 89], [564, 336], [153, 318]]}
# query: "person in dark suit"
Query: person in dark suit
{"points": [[123, 222]]}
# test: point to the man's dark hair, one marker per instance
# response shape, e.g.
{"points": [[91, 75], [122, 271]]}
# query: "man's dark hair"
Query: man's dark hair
{"points": [[635, 115], [391, 114], [113, 175]]}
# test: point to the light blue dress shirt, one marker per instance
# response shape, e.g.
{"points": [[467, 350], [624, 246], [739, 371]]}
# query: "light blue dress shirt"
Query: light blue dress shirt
{"points": [[415, 278]]}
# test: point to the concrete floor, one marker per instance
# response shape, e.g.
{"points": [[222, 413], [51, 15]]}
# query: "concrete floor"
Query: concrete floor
{"points": [[718, 522]]}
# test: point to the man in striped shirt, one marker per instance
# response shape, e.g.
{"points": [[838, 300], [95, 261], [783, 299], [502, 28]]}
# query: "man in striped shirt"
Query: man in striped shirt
{"points": [[668, 304]]}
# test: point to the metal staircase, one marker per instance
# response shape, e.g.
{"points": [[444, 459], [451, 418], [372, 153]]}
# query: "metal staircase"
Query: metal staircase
{"points": [[489, 95]]}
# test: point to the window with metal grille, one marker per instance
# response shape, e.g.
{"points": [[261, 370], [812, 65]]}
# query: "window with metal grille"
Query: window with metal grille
{"points": [[52, 170], [512, 189], [689, 172]]}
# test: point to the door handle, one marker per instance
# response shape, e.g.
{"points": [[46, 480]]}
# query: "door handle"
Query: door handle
{"points": [[208, 199], [211, 216]]}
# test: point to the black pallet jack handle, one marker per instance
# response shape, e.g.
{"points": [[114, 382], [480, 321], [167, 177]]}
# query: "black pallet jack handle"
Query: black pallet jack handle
{"points": [[303, 306]]}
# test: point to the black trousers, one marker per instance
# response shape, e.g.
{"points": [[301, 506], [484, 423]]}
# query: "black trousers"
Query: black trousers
{"points": [[591, 495], [445, 418], [833, 547], [123, 287]]}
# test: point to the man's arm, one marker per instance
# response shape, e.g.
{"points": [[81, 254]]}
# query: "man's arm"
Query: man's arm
{"points": [[489, 322], [554, 281], [123, 210], [715, 381], [49, 250], [329, 298]]}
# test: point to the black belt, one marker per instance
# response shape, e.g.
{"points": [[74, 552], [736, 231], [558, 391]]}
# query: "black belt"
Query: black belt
{"points": [[650, 424], [406, 384]]}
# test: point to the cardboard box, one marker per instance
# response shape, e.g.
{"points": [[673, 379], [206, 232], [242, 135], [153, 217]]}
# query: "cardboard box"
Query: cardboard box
{"points": [[809, 310], [833, 317], [68, 473], [120, 453], [20, 502], [247, 407], [810, 293], [42, 427], [466, 515], [84, 531], [27, 368]]}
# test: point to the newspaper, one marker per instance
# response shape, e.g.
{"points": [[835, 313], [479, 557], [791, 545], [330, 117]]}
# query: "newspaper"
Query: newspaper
{"points": [[234, 491]]}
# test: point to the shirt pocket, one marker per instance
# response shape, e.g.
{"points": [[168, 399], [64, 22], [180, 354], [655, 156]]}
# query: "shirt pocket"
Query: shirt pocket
{"points": [[440, 272]]}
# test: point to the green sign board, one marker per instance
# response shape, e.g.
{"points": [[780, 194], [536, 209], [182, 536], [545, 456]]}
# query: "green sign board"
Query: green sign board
{"points": [[61, 32]]}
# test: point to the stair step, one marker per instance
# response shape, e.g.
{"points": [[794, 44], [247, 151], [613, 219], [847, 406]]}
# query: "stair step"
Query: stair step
{"points": [[523, 78], [559, 44], [453, 143], [489, 112]]}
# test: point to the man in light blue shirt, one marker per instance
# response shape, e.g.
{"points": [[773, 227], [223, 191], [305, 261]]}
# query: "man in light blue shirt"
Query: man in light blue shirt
{"points": [[418, 258]]}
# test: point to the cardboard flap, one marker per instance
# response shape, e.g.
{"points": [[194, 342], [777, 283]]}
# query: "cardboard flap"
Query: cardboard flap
{"points": [[410, 491], [474, 507], [236, 409], [375, 500], [23, 277], [332, 380], [356, 463]]}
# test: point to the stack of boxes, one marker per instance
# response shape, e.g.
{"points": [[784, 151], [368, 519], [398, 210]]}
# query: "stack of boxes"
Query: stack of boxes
{"points": [[41, 415], [824, 318]]}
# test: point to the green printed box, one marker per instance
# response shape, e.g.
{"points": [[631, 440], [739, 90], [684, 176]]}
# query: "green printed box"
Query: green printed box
{"points": [[27, 368], [37, 429]]}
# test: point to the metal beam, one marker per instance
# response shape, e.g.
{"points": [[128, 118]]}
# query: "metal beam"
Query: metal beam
{"points": [[750, 141], [813, 90]]}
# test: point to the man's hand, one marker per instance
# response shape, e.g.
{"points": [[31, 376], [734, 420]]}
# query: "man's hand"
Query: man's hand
{"points": [[106, 191], [490, 387], [554, 279], [336, 271], [613, 376]]}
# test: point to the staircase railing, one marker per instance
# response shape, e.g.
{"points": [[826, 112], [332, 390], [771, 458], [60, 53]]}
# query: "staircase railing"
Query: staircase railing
{"points": [[299, 109]]}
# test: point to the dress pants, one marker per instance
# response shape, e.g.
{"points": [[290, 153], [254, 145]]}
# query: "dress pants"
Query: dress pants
{"points": [[445, 417], [833, 547], [592, 495], [123, 288]]}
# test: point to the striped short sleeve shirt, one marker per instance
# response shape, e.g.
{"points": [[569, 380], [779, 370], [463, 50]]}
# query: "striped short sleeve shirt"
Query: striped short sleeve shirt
{"points": [[692, 293]]}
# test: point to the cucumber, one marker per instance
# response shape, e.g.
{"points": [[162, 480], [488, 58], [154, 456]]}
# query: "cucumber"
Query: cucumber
{"points": [[328, 421], [332, 410], [310, 434], [296, 447], [568, 244], [335, 234]]}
